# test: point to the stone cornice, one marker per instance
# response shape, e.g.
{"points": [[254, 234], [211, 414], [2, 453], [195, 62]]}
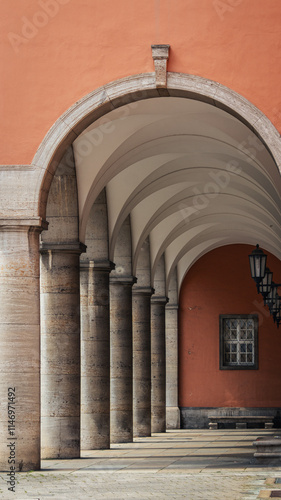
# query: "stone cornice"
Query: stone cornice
{"points": [[123, 280], [159, 299], [12, 223], [146, 291], [172, 307], [70, 248], [97, 265], [17, 168]]}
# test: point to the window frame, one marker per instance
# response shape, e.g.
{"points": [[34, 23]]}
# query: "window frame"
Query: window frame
{"points": [[255, 365]]}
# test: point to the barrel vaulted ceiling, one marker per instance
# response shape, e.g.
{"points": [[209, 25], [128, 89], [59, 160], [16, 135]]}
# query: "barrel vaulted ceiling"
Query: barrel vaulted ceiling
{"points": [[191, 176]]}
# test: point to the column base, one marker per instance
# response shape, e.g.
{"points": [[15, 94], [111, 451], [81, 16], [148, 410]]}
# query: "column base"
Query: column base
{"points": [[121, 426], [142, 422], [64, 434], [95, 430], [158, 419], [172, 417]]}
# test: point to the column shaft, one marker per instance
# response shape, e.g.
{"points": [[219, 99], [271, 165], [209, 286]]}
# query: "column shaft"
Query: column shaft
{"points": [[158, 365], [95, 355], [172, 409], [19, 348], [60, 348], [121, 388], [141, 362]]}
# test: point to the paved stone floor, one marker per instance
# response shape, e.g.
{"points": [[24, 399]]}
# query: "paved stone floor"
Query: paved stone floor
{"points": [[181, 464]]}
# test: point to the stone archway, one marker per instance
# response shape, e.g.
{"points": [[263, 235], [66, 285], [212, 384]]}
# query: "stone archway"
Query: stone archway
{"points": [[130, 90], [20, 233]]}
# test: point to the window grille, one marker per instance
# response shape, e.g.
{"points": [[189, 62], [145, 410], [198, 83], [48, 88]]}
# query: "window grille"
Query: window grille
{"points": [[238, 341]]}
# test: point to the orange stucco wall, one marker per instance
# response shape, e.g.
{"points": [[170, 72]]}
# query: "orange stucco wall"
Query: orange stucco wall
{"points": [[220, 283], [53, 52]]}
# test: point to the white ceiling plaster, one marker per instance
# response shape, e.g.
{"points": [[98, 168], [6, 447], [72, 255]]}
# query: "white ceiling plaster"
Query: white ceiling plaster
{"points": [[167, 162]]}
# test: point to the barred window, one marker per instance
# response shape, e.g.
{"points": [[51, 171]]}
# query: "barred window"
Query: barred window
{"points": [[238, 342]]}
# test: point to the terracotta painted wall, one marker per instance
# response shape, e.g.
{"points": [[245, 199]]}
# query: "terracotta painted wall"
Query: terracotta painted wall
{"points": [[53, 52], [211, 288]]}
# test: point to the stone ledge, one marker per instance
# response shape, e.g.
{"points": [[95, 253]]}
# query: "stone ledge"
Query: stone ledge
{"points": [[17, 222], [75, 247], [97, 265], [123, 280], [157, 299], [268, 447], [143, 290]]}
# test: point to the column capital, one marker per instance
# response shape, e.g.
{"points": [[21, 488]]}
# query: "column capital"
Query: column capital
{"points": [[123, 280], [158, 299], [146, 291], [105, 266], [172, 307], [22, 224], [70, 248]]}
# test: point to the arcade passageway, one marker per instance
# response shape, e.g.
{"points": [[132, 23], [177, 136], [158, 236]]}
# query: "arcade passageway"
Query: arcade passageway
{"points": [[178, 464]]}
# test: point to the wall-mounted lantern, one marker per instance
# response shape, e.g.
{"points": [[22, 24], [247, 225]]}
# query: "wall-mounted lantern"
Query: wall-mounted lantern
{"points": [[257, 264], [275, 306], [271, 297], [264, 286], [263, 278]]}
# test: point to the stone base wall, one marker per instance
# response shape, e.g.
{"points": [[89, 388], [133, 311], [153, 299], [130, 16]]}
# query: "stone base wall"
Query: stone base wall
{"points": [[198, 418]]}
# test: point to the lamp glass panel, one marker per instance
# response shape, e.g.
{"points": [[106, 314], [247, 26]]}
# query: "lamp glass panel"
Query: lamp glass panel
{"points": [[263, 263], [257, 266], [252, 266]]}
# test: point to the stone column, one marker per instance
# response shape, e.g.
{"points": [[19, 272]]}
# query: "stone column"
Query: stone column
{"points": [[141, 361], [60, 349], [172, 407], [121, 383], [95, 354], [158, 364], [19, 345]]}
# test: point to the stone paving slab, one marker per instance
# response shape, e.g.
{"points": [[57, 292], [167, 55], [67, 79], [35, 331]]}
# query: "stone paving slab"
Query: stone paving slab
{"points": [[139, 486], [190, 465]]}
